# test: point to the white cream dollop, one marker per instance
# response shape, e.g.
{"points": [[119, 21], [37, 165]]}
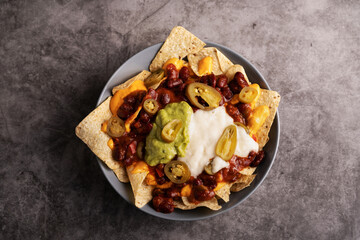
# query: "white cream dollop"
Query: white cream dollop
{"points": [[218, 163], [205, 129]]}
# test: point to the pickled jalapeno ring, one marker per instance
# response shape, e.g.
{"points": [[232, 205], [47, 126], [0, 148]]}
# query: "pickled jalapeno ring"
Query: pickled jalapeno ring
{"points": [[177, 171], [115, 127], [151, 106], [154, 78], [247, 94], [170, 131], [209, 94]]}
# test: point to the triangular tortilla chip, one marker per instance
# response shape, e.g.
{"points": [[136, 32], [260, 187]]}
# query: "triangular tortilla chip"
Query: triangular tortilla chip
{"points": [[142, 191], [243, 182], [272, 100], [230, 73], [248, 170], [186, 205], [224, 62], [141, 76], [224, 192], [194, 59], [89, 131], [178, 44]]}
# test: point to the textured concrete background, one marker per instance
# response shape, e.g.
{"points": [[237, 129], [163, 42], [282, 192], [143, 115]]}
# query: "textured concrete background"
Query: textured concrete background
{"points": [[56, 56]]}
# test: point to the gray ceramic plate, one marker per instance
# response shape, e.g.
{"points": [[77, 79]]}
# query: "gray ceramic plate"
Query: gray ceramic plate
{"points": [[141, 61]]}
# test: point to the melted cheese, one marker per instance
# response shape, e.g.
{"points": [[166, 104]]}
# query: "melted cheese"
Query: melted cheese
{"points": [[205, 129]]}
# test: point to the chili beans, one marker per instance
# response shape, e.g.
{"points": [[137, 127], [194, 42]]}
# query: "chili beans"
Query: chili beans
{"points": [[238, 83], [238, 163], [163, 204], [209, 80], [203, 193], [245, 109], [171, 72], [197, 182], [208, 180], [173, 193], [259, 157], [240, 79], [222, 81], [226, 92], [164, 98], [235, 113], [158, 192], [168, 96], [204, 79], [171, 83], [125, 110], [144, 117], [130, 104], [184, 74], [230, 174], [152, 93], [212, 80]]}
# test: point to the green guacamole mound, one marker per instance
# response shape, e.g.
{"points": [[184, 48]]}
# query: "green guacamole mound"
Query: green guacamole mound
{"points": [[158, 151]]}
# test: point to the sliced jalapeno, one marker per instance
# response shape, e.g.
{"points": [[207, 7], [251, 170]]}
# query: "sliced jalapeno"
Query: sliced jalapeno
{"points": [[151, 106], [247, 94], [209, 94], [177, 171], [154, 78], [171, 129], [226, 145], [115, 127]]}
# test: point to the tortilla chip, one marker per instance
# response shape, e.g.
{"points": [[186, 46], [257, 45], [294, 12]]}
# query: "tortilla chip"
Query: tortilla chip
{"points": [[142, 191], [205, 52], [121, 174], [272, 100], [248, 170], [224, 192], [89, 131], [178, 44], [243, 182], [141, 76], [224, 62], [230, 73], [186, 205]]}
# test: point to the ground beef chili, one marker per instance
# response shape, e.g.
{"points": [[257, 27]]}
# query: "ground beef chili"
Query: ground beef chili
{"points": [[173, 90]]}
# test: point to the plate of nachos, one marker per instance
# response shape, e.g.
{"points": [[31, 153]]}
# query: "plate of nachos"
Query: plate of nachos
{"points": [[185, 129]]}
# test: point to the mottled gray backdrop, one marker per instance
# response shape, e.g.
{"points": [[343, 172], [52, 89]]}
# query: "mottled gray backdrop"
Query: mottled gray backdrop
{"points": [[56, 56]]}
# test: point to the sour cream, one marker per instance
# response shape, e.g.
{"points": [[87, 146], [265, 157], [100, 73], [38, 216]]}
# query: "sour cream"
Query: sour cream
{"points": [[218, 163], [205, 129]]}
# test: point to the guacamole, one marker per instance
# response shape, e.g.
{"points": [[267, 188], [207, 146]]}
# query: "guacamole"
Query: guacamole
{"points": [[158, 151]]}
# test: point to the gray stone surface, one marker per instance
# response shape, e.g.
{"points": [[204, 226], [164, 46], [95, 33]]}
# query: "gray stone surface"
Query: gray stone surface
{"points": [[56, 56]]}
